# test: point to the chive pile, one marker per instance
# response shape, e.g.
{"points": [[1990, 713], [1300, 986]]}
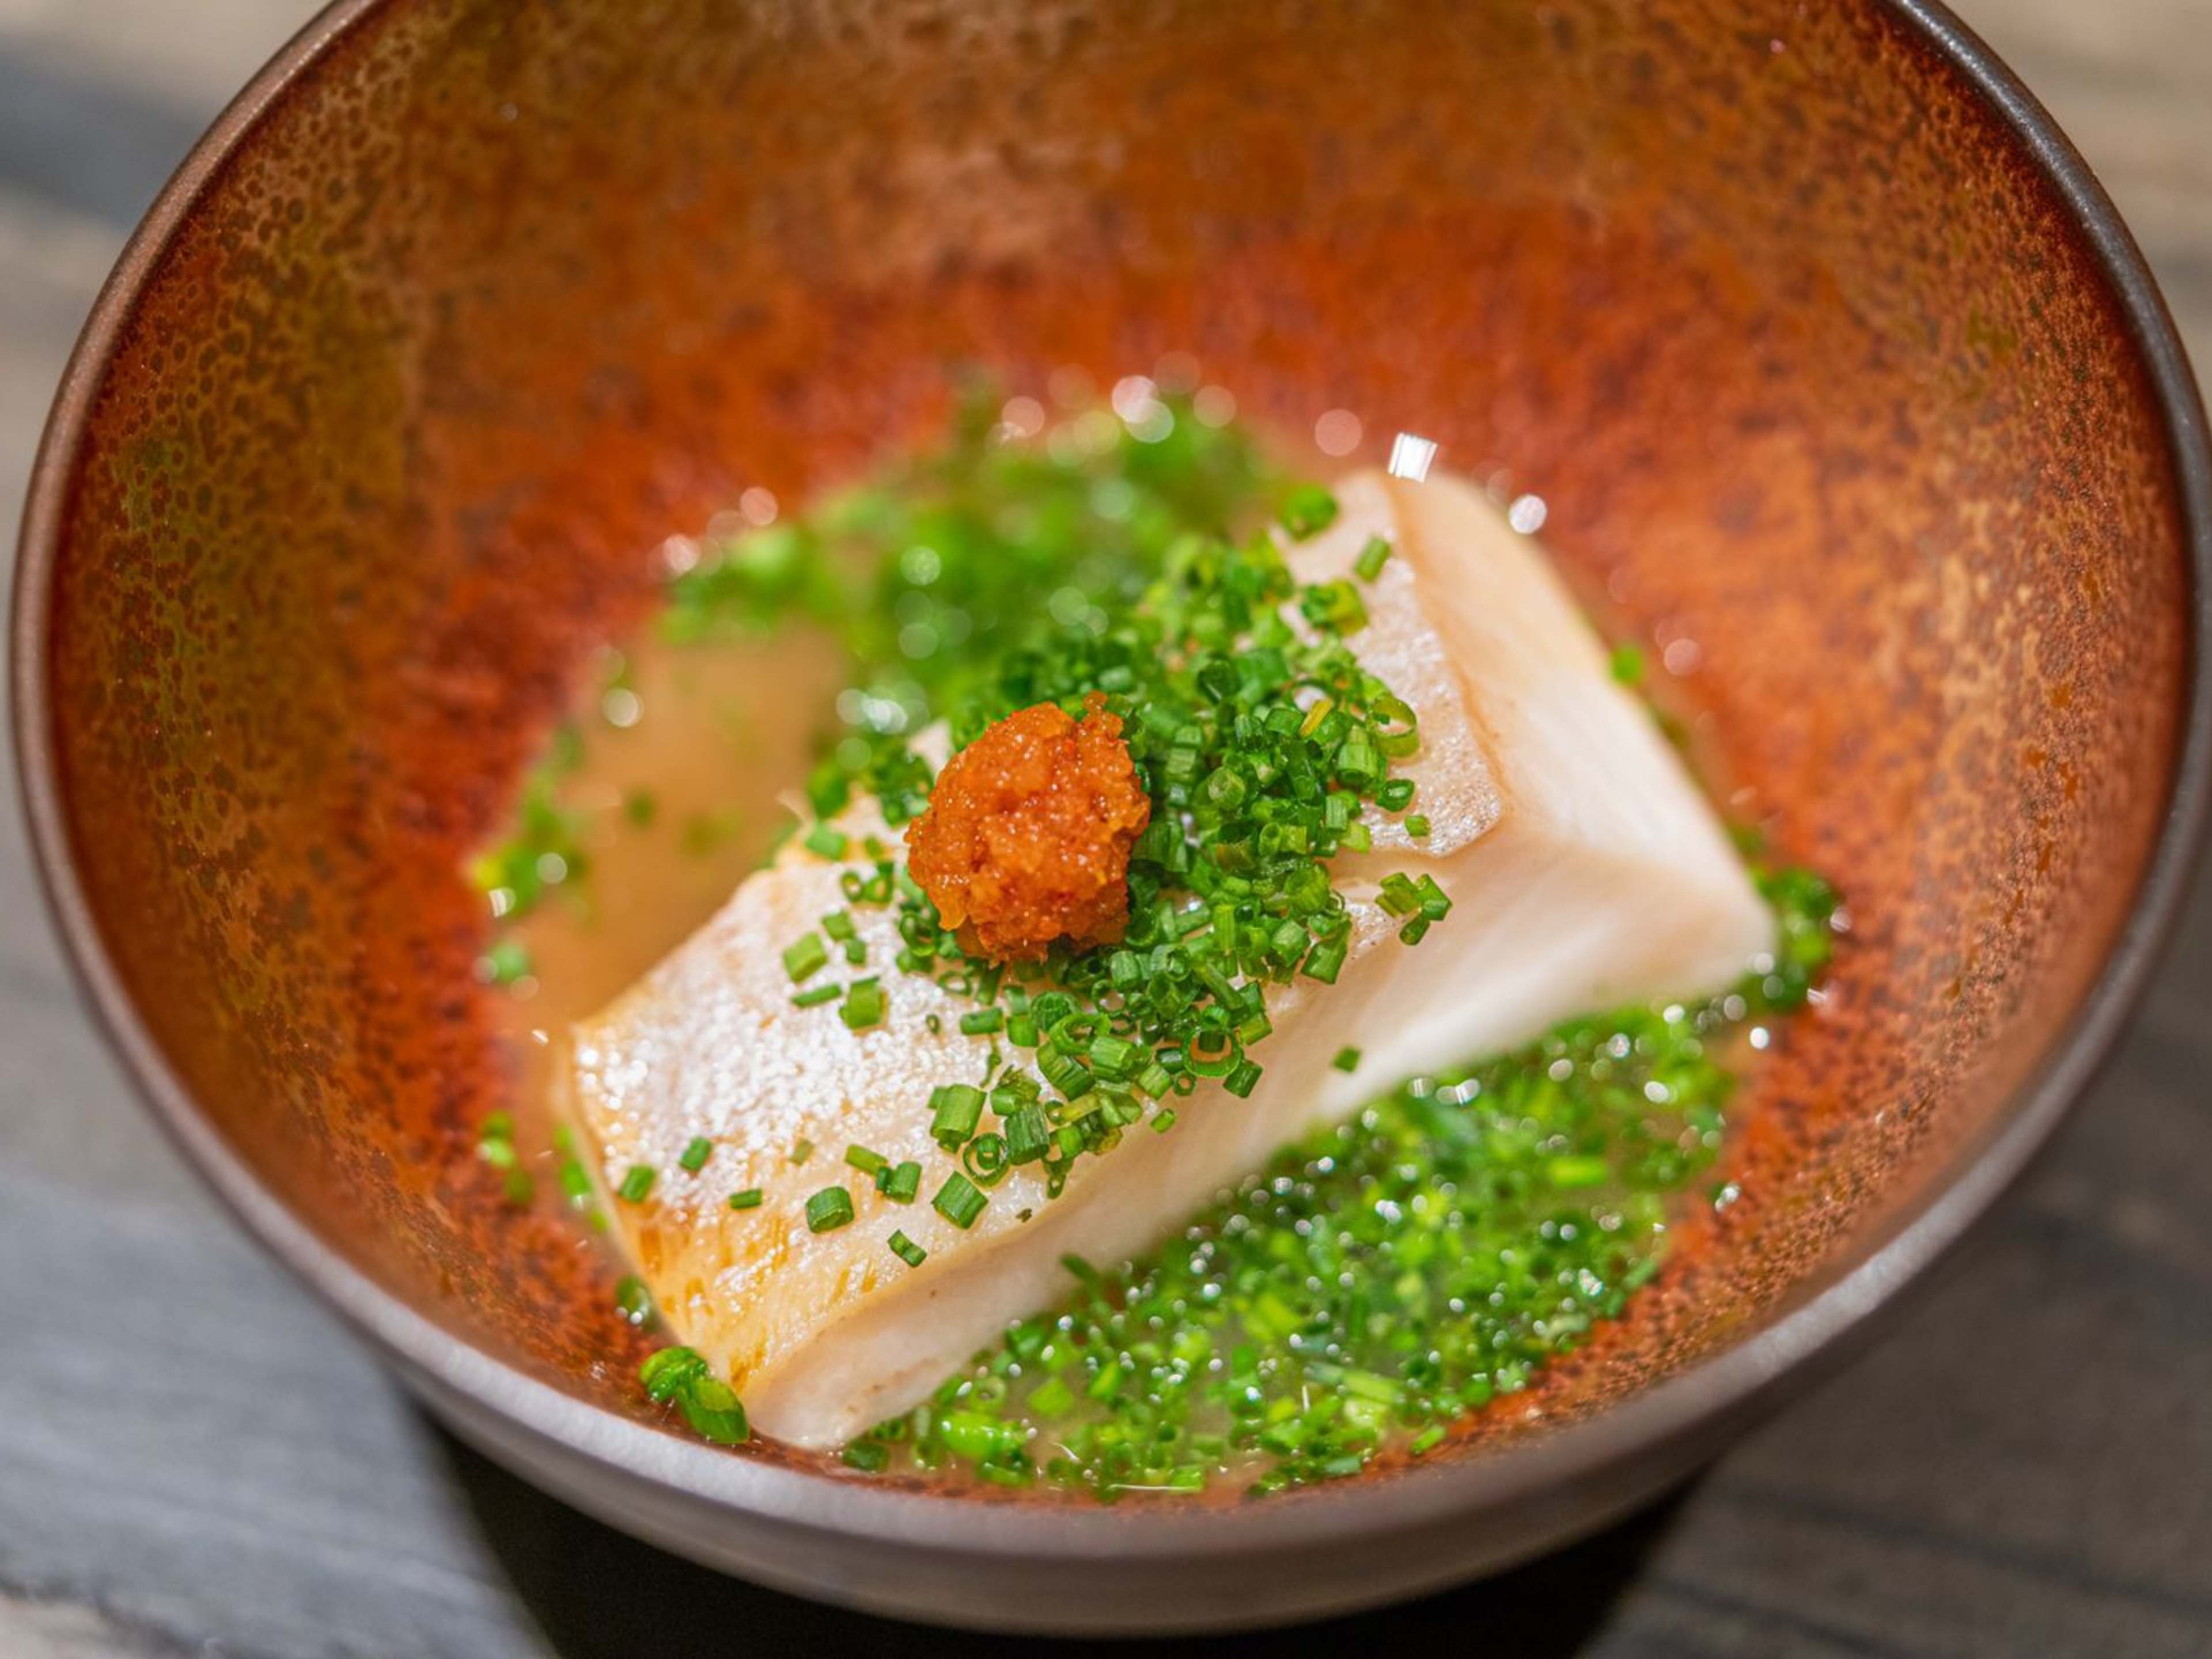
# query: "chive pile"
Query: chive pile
{"points": [[1379, 1279], [1263, 748]]}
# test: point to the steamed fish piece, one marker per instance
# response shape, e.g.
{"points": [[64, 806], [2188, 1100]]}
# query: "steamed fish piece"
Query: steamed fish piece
{"points": [[1585, 869]]}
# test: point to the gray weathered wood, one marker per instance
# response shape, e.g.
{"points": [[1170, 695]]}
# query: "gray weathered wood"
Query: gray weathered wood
{"points": [[195, 1459]]}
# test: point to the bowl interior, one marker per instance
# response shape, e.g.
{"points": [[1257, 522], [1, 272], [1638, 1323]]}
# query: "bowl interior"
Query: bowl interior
{"points": [[1817, 383]]}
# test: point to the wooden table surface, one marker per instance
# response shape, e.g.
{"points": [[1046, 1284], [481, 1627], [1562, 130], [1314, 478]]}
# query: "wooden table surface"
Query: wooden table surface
{"points": [[194, 1458]]}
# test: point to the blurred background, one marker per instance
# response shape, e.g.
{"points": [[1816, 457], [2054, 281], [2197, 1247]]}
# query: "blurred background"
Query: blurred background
{"points": [[194, 1459]]}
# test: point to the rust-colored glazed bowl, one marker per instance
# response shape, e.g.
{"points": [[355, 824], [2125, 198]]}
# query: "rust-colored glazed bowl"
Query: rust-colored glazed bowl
{"points": [[1834, 366]]}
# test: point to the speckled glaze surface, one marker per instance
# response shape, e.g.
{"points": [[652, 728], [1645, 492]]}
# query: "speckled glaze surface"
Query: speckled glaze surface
{"points": [[1826, 385]]}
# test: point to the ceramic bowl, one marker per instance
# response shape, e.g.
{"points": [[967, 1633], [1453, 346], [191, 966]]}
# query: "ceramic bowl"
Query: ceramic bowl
{"points": [[1838, 374]]}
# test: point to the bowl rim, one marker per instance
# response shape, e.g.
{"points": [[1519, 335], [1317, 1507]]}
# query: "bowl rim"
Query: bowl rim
{"points": [[1834, 1305]]}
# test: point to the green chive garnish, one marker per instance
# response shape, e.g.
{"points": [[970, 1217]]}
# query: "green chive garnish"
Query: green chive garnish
{"points": [[826, 842], [634, 1300], [828, 1210], [750, 1198], [712, 1409], [867, 1163], [668, 1372], [906, 1250], [806, 956], [870, 1456], [1347, 1059], [637, 1185], [1307, 510], [1372, 558], [863, 1006], [901, 1183], [1028, 1135], [959, 1200], [696, 1154], [956, 1110]]}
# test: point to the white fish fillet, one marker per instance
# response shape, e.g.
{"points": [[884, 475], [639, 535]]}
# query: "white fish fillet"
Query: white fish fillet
{"points": [[1586, 872]]}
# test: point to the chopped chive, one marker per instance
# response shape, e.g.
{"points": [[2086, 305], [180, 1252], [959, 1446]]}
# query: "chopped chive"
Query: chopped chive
{"points": [[838, 923], [906, 1250], [869, 1456], [1326, 959], [828, 1210], [1163, 1120], [1068, 1075], [1333, 606], [984, 1158], [634, 1301], [1372, 558], [750, 1198], [801, 1150], [1114, 1057], [1307, 511], [637, 1185], [695, 1155], [669, 1371], [826, 842], [856, 951], [1417, 825], [1028, 1135], [959, 1200], [806, 956], [1627, 664], [1348, 1058], [1052, 1398], [867, 1163], [981, 1022], [814, 996], [956, 1110], [899, 1183], [1577, 1171], [713, 1410], [863, 1006], [1398, 896]]}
